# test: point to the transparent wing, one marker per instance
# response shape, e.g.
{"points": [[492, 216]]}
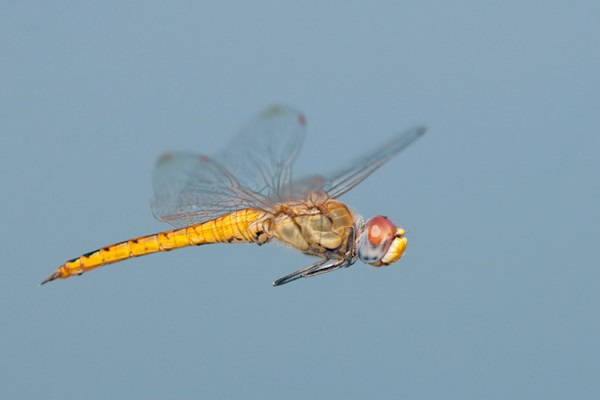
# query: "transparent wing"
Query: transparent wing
{"points": [[253, 171], [191, 188], [339, 182], [261, 156]]}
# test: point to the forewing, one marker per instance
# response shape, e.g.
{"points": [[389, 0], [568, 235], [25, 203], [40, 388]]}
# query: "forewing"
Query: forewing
{"points": [[341, 181], [254, 171]]}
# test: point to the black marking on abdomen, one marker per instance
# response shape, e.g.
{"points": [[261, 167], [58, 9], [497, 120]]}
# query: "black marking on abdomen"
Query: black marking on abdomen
{"points": [[90, 253]]}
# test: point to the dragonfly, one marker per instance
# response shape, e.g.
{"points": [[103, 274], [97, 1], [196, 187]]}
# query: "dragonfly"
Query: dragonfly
{"points": [[246, 194]]}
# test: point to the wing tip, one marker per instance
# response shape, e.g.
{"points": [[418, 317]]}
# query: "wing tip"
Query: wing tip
{"points": [[274, 110], [280, 109], [164, 158]]}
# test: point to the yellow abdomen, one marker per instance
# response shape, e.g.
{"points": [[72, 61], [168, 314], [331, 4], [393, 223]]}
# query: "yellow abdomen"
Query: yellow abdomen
{"points": [[237, 227]]}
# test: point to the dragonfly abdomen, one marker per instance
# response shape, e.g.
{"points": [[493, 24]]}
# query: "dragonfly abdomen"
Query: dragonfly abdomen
{"points": [[237, 227]]}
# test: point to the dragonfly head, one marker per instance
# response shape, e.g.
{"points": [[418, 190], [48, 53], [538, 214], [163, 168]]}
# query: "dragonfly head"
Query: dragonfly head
{"points": [[381, 242]]}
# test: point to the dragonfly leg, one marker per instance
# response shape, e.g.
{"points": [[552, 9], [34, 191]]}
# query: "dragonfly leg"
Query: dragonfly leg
{"points": [[327, 268], [299, 274], [313, 270]]}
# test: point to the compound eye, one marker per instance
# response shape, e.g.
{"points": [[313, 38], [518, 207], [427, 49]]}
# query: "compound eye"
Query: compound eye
{"points": [[376, 239], [380, 229]]}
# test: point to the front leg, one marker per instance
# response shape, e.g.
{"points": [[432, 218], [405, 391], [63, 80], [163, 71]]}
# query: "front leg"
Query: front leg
{"points": [[313, 270], [298, 274], [327, 268]]}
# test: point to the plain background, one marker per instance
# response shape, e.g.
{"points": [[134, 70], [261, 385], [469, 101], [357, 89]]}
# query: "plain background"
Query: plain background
{"points": [[497, 296]]}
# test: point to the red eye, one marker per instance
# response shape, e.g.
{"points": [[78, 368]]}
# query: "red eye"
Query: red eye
{"points": [[380, 229]]}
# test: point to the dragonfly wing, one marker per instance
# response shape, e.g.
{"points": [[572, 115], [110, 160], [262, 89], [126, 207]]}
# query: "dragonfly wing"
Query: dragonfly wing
{"points": [[339, 182], [191, 188], [253, 172], [261, 155], [302, 188]]}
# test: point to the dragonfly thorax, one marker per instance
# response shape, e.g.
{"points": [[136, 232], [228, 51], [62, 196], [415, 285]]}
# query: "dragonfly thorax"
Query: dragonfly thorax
{"points": [[321, 228]]}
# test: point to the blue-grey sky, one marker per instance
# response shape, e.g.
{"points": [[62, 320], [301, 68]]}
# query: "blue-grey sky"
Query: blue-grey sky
{"points": [[497, 296]]}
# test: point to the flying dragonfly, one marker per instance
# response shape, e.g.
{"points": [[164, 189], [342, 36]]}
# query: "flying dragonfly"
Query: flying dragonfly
{"points": [[246, 194]]}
